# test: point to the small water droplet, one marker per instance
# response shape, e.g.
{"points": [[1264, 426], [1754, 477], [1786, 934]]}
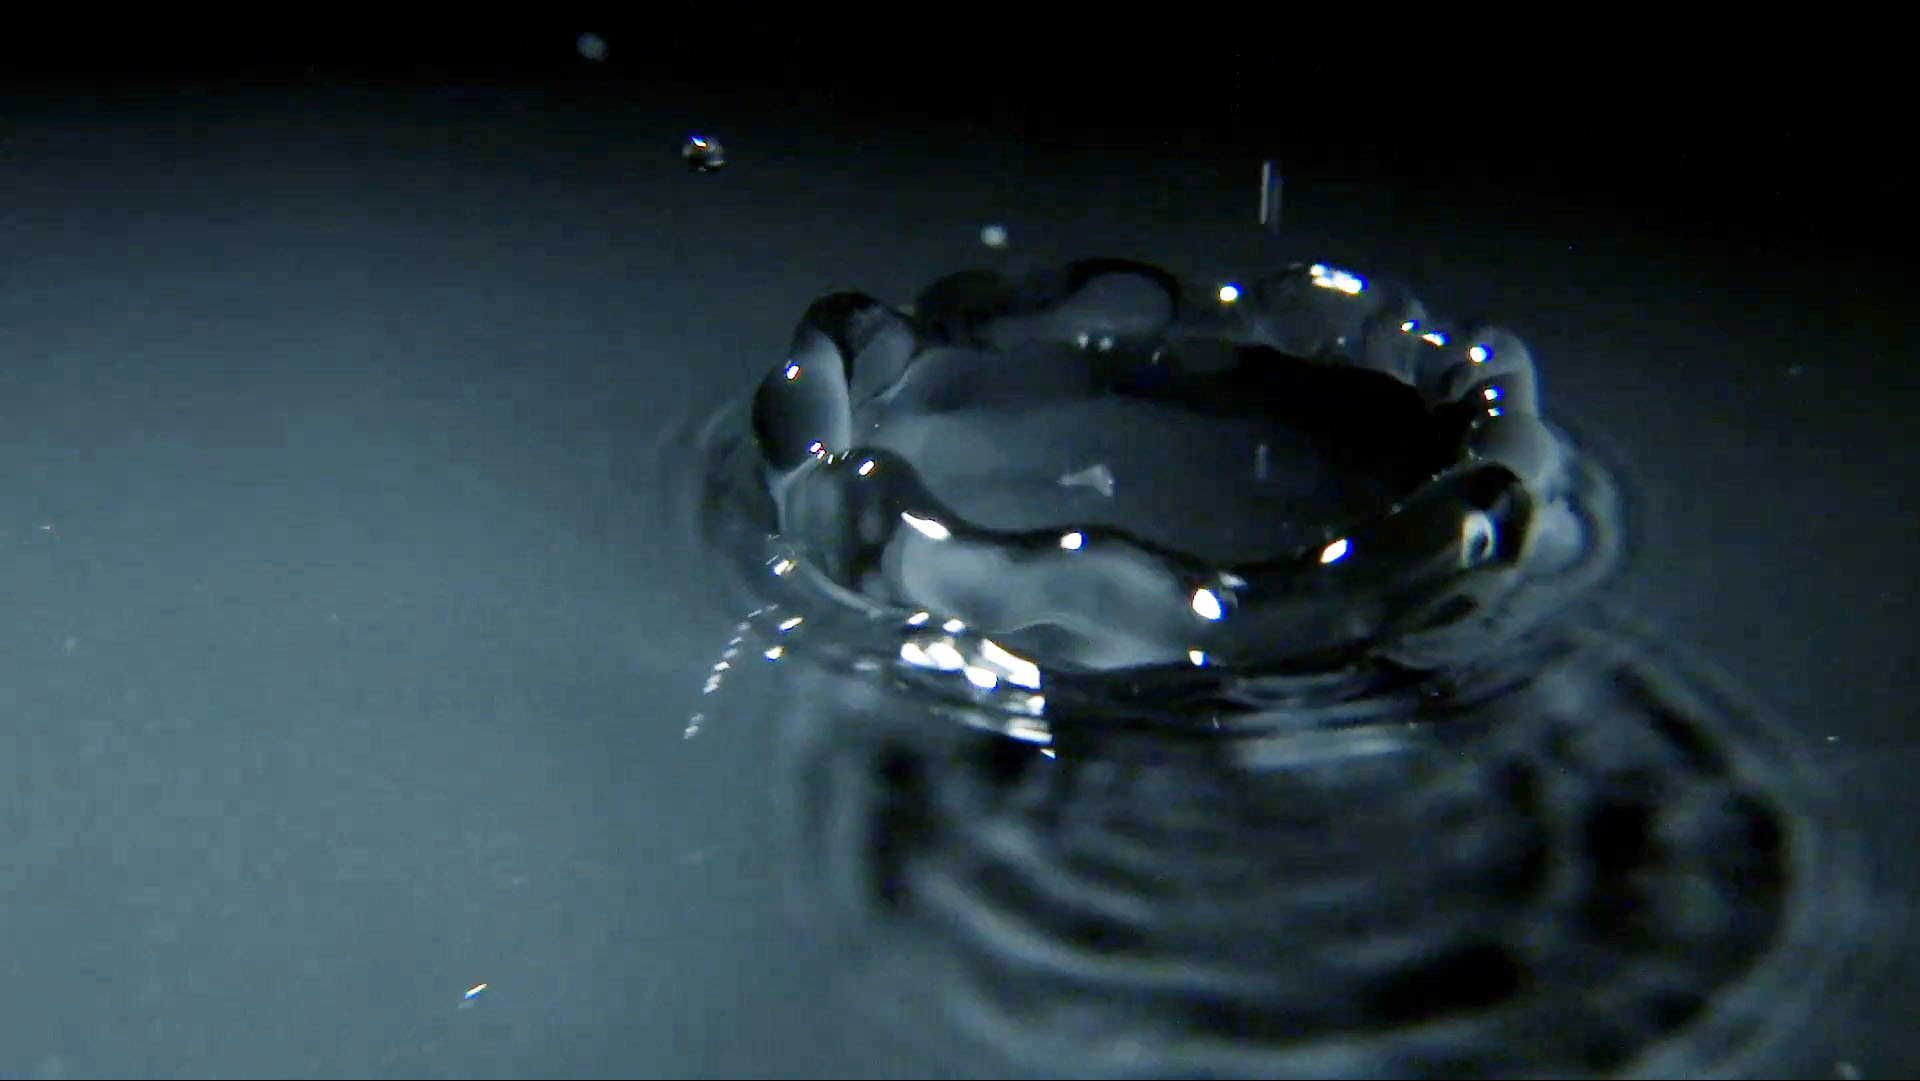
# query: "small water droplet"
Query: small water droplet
{"points": [[1271, 188], [1097, 477], [703, 153]]}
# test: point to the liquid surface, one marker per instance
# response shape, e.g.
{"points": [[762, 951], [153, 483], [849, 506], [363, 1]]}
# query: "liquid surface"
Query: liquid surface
{"points": [[1196, 682], [354, 616]]}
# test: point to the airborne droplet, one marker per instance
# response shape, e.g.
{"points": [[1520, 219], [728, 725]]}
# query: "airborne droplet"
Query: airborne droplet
{"points": [[703, 153]]}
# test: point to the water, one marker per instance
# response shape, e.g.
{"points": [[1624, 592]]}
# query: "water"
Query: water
{"points": [[703, 153], [1081, 467], [354, 665], [1188, 681]]}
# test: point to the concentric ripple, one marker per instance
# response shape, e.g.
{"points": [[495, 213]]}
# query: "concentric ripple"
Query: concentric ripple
{"points": [[1188, 681], [1604, 870]]}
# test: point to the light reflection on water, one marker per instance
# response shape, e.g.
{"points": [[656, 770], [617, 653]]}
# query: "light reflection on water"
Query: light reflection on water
{"points": [[1416, 809]]}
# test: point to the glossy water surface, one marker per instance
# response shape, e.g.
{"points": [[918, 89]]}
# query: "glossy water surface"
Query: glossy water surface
{"points": [[1202, 680]]}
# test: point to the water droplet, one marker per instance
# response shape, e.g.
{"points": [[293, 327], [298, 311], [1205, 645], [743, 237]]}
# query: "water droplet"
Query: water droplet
{"points": [[1096, 477], [703, 153], [591, 46], [993, 236], [1271, 189]]}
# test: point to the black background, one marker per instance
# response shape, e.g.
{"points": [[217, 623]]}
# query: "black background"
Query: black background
{"points": [[1763, 139]]}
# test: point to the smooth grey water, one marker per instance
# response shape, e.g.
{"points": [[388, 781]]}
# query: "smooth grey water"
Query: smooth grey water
{"points": [[356, 608]]}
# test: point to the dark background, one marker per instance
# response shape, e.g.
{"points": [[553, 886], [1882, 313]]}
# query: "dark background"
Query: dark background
{"points": [[1763, 139], [351, 616]]}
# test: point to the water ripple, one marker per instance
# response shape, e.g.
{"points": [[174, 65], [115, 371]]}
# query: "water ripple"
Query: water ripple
{"points": [[1295, 745]]}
